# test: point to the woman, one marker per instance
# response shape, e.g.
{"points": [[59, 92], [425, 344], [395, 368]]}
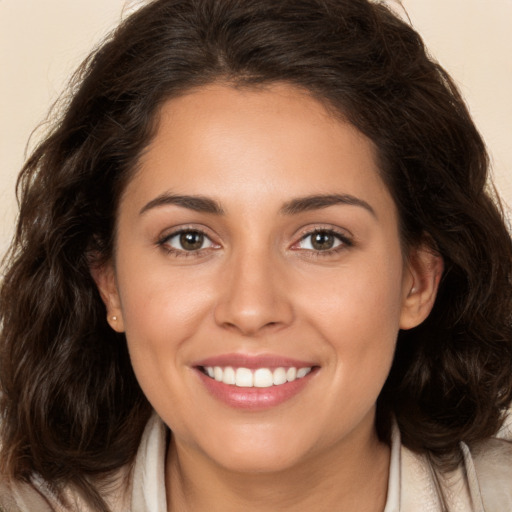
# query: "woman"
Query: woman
{"points": [[257, 267]]}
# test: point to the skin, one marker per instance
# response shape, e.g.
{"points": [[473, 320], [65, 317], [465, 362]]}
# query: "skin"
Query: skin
{"points": [[258, 286]]}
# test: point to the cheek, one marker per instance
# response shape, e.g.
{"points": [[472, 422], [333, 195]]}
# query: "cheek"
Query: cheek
{"points": [[161, 315], [361, 327], [158, 300], [161, 309], [357, 312], [362, 296]]}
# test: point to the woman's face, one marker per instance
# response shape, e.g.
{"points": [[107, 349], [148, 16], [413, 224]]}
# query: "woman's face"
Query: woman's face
{"points": [[257, 243]]}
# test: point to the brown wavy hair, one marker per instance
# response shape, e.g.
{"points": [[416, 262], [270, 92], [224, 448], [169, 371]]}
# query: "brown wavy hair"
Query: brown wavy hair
{"points": [[71, 408]]}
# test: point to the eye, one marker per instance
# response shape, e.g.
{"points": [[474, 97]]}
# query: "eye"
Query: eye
{"points": [[322, 240], [188, 241]]}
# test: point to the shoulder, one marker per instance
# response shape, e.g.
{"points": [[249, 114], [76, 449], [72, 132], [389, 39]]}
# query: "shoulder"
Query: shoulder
{"points": [[116, 488], [37, 495], [481, 482], [22, 497], [492, 461]]}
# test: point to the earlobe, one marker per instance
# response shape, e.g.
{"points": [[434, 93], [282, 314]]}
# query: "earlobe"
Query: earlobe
{"points": [[424, 271], [105, 279]]}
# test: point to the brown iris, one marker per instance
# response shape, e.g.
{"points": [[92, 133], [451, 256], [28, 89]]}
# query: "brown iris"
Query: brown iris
{"points": [[322, 240], [191, 240]]}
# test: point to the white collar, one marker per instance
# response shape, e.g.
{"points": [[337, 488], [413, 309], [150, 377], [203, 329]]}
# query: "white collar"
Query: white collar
{"points": [[413, 486], [148, 491]]}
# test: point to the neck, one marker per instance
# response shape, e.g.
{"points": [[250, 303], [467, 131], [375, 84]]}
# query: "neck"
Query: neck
{"points": [[351, 476]]}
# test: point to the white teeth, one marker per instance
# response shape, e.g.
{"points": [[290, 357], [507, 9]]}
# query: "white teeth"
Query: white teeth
{"points": [[302, 372], [263, 378], [291, 374], [229, 376], [259, 378], [217, 373], [279, 376], [243, 378]]}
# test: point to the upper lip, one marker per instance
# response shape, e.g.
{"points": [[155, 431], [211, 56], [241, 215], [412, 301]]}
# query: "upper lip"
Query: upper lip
{"points": [[253, 361]]}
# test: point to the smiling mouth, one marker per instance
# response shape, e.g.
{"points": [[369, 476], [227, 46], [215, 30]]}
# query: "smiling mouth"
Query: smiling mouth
{"points": [[255, 378]]}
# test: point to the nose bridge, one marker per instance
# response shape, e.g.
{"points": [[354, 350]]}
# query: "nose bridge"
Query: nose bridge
{"points": [[253, 297]]}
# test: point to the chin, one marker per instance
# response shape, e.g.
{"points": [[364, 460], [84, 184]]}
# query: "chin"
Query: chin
{"points": [[260, 451]]}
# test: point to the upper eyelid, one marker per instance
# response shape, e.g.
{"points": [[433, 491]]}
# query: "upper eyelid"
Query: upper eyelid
{"points": [[309, 230], [300, 234], [163, 242], [181, 231], [346, 241], [170, 232]]}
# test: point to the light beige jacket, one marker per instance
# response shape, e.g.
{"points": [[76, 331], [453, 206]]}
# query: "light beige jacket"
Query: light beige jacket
{"points": [[482, 482]]}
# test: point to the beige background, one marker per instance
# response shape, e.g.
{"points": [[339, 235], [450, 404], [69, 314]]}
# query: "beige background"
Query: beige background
{"points": [[42, 41]]}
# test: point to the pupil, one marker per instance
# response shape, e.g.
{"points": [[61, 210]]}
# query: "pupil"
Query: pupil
{"points": [[323, 241], [191, 240]]}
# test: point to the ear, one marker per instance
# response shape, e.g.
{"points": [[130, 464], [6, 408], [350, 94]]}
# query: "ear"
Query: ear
{"points": [[105, 279], [421, 281]]}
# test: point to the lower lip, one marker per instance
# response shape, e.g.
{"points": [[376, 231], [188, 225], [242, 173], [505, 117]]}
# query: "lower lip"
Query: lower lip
{"points": [[254, 398]]}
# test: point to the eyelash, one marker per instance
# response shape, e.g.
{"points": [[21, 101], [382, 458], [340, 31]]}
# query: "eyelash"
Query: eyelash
{"points": [[163, 242], [345, 242]]}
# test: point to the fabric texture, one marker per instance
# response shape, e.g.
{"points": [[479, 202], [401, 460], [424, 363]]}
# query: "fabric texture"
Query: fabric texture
{"points": [[481, 483]]}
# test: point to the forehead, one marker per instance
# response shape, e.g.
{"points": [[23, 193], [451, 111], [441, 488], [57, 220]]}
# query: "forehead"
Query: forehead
{"points": [[240, 144]]}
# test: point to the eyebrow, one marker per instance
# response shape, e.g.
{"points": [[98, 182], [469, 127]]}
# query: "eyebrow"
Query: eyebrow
{"points": [[316, 202], [196, 203], [293, 207]]}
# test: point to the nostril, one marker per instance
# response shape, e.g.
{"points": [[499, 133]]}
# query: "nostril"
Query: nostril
{"points": [[251, 309]]}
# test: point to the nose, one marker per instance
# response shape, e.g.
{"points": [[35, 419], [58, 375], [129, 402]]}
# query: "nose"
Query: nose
{"points": [[253, 298]]}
